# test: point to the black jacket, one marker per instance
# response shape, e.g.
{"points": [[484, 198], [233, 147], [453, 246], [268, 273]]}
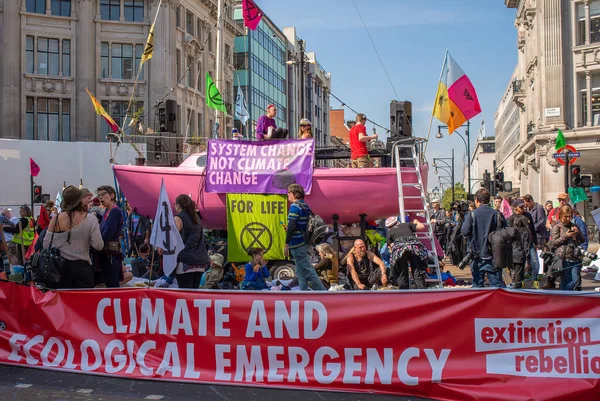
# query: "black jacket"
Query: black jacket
{"points": [[478, 225], [521, 246], [195, 251]]}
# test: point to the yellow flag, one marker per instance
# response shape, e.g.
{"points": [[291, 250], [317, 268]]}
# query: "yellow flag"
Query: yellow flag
{"points": [[149, 48]]}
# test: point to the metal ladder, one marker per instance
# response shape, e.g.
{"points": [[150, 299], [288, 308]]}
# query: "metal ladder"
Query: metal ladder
{"points": [[411, 143]]}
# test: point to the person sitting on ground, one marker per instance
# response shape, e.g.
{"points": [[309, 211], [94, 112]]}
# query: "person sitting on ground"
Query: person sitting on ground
{"points": [[140, 266], [214, 274], [406, 248], [73, 232], [328, 266], [305, 129], [266, 128], [361, 270], [256, 271]]}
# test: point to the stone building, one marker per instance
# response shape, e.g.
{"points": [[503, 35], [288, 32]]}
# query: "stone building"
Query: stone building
{"points": [[52, 50], [556, 85]]}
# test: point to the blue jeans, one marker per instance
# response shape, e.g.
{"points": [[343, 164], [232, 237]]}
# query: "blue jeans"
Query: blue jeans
{"points": [[305, 272], [570, 277], [534, 261], [481, 267]]}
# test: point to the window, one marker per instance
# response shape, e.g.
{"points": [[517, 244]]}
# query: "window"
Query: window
{"points": [[209, 41], [29, 66], [200, 131], [118, 110], [199, 77], [134, 10], [178, 16], [595, 106], [36, 6], [110, 10], [227, 53], [48, 56], [178, 63], [580, 24], [61, 7], [199, 28], [43, 119], [190, 74], [189, 23], [123, 62], [595, 22], [66, 57], [188, 123]]}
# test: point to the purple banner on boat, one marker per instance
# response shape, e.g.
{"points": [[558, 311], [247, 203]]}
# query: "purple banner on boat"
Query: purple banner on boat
{"points": [[265, 167]]}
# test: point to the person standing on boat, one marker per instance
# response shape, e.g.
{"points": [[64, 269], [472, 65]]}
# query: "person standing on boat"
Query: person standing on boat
{"points": [[193, 260], [359, 154], [266, 127], [295, 241], [305, 129], [110, 257]]}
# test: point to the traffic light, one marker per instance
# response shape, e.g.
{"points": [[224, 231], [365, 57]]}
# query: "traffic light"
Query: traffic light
{"points": [[487, 178], [37, 194], [575, 175], [499, 181]]}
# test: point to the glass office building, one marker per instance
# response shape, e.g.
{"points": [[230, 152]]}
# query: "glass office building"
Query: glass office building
{"points": [[260, 70]]}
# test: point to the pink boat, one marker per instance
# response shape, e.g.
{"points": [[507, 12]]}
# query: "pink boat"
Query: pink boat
{"points": [[343, 191]]}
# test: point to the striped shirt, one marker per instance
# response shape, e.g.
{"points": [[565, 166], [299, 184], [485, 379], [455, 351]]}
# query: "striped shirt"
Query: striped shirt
{"points": [[297, 220]]}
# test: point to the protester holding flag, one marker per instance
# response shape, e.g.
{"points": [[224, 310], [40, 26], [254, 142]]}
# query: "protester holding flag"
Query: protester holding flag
{"points": [[266, 127], [110, 258], [73, 232], [193, 260]]}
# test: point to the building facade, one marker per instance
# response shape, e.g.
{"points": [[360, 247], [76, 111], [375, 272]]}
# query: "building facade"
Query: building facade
{"points": [[556, 85], [52, 50], [507, 127], [482, 160]]}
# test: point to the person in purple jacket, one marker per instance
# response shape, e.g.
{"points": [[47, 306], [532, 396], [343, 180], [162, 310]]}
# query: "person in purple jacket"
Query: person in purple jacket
{"points": [[266, 127], [110, 258]]}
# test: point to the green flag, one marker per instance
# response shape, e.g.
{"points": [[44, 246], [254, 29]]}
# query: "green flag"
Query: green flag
{"points": [[213, 97], [560, 141], [255, 221]]}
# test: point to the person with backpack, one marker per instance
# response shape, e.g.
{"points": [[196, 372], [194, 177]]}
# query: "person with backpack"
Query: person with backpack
{"points": [[478, 225], [296, 240], [520, 248]]}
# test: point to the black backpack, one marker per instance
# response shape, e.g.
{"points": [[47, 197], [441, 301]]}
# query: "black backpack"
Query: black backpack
{"points": [[315, 226], [500, 242]]}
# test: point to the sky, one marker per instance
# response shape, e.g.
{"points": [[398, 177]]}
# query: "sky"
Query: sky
{"points": [[411, 37]]}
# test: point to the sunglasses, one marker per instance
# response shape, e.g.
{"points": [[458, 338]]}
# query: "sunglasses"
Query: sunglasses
{"points": [[304, 125]]}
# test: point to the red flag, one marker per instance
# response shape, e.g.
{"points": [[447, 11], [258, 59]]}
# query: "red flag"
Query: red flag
{"points": [[31, 249], [252, 14], [34, 168]]}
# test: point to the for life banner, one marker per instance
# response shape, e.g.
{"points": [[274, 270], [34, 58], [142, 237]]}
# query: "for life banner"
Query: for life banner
{"points": [[447, 345], [255, 221], [263, 167]]}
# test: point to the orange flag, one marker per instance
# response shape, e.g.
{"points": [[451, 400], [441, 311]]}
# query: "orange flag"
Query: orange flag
{"points": [[100, 111]]}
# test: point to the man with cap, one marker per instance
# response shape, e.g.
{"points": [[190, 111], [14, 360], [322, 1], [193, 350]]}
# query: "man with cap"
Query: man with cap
{"points": [[266, 128], [214, 274], [438, 219], [563, 199]]}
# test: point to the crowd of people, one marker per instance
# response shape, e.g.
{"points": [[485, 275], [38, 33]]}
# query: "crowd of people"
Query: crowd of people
{"points": [[558, 233]]}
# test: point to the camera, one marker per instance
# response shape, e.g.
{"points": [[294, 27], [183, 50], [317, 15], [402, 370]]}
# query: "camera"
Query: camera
{"points": [[582, 253], [467, 260]]}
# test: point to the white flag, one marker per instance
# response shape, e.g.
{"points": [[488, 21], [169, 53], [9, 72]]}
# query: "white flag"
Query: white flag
{"points": [[58, 201], [241, 108], [164, 232]]}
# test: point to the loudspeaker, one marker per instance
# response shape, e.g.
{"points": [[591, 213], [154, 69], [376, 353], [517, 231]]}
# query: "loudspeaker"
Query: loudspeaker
{"points": [[400, 118], [167, 117], [163, 150]]}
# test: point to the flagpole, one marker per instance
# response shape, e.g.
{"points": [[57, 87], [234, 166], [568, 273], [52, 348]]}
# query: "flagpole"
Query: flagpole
{"points": [[31, 190], [431, 119]]}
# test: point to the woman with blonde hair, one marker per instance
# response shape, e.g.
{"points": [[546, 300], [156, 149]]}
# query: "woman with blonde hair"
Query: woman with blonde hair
{"points": [[305, 129], [328, 265]]}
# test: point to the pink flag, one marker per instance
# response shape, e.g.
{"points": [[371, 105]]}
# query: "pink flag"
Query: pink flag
{"points": [[34, 169], [252, 14], [506, 209]]}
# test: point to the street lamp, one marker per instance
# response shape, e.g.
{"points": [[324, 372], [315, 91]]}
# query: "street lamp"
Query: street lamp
{"points": [[467, 143], [445, 167]]}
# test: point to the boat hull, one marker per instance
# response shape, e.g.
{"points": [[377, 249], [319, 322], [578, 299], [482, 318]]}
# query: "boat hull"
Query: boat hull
{"points": [[342, 191]]}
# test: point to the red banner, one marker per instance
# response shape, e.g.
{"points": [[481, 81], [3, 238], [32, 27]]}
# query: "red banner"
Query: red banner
{"points": [[447, 345]]}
